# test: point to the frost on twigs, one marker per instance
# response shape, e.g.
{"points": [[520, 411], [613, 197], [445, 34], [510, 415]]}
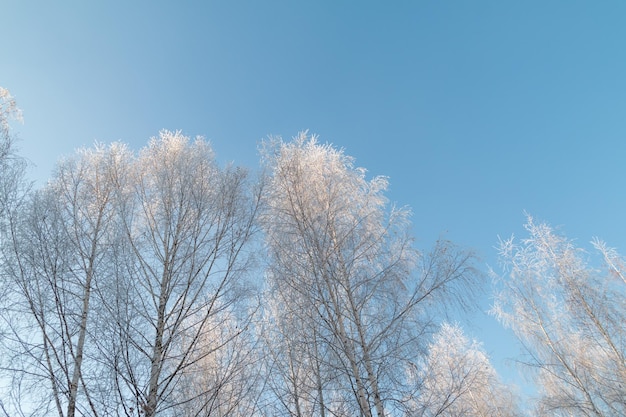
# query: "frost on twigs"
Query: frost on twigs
{"points": [[569, 315], [356, 297], [8, 111], [457, 379]]}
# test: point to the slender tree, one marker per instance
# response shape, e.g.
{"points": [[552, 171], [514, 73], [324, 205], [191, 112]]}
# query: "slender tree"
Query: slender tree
{"points": [[457, 379], [60, 249], [352, 288], [8, 111], [13, 189], [13, 186], [186, 228], [127, 290], [297, 360], [12, 166], [570, 318]]}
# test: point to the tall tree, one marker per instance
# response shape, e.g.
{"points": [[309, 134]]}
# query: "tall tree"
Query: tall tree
{"points": [[8, 111], [458, 380], [127, 285], [13, 189], [12, 166], [61, 248], [570, 318], [186, 229], [298, 372], [353, 290]]}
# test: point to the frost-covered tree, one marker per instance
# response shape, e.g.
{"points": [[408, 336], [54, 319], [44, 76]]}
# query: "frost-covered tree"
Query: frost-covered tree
{"points": [[13, 190], [458, 380], [8, 111], [186, 227], [60, 248], [298, 374], [355, 298], [127, 292], [570, 317], [12, 166]]}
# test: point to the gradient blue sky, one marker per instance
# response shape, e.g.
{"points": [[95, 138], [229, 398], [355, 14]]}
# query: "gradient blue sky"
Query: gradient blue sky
{"points": [[476, 110]]}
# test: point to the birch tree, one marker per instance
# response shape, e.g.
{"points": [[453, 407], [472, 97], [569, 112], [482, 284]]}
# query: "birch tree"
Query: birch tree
{"points": [[128, 291], [11, 165], [343, 267], [570, 316], [13, 186], [458, 380], [60, 246], [186, 229], [298, 373], [13, 189]]}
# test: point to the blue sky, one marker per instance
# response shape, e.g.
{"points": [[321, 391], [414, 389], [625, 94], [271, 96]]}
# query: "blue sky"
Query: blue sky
{"points": [[475, 110]]}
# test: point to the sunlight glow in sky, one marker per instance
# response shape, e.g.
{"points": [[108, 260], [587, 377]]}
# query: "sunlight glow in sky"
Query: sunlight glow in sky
{"points": [[476, 111]]}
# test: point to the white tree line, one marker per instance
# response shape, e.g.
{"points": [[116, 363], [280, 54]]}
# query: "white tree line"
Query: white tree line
{"points": [[158, 283]]}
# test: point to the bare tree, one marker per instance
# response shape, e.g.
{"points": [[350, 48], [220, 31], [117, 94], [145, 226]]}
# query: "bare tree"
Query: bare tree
{"points": [[349, 282], [128, 291], [186, 229], [570, 318], [13, 191], [223, 377], [8, 111], [457, 379], [60, 251], [12, 167], [298, 373]]}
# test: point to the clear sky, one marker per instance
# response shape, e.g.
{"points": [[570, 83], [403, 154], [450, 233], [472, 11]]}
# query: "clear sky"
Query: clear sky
{"points": [[475, 110]]}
